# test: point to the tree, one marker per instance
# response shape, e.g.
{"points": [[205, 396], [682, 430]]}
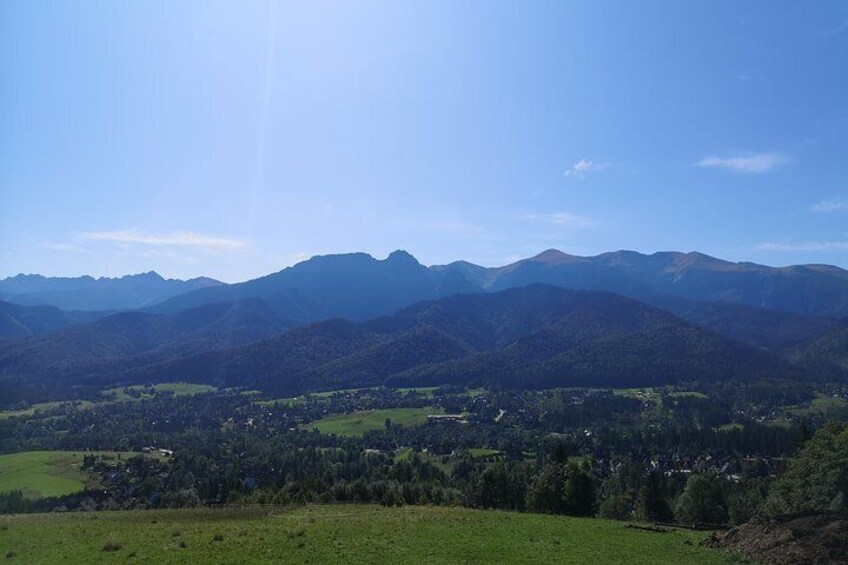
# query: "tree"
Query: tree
{"points": [[702, 502], [652, 505], [500, 486], [817, 476], [562, 489]]}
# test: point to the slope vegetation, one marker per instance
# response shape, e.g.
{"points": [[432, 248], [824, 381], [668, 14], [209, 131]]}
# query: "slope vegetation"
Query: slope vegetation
{"points": [[342, 534]]}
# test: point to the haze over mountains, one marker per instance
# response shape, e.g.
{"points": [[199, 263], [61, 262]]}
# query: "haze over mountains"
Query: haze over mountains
{"points": [[322, 287], [527, 337], [88, 293], [352, 320]]}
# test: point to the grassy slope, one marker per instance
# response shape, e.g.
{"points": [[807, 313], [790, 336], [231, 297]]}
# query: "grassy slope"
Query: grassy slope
{"points": [[46, 406], [342, 534], [46, 473], [179, 389], [358, 423]]}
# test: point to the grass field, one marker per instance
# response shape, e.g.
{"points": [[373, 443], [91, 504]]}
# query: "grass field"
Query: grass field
{"points": [[111, 395], [45, 406], [357, 423], [340, 534], [820, 405], [483, 452], [179, 389], [48, 473]]}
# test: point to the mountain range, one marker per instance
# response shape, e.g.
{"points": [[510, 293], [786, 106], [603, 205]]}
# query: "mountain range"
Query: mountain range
{"points": [[357, 286], [352, 320], [89, 293]]}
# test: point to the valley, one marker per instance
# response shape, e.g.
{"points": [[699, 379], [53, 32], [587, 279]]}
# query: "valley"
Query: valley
{"points": [[482, 407]]}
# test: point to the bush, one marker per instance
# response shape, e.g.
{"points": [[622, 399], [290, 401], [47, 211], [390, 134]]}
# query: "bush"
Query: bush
{"points": [[702, 502], [817, 476], [616, 508]]}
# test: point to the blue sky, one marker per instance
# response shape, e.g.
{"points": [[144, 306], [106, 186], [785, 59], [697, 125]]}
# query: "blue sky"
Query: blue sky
{"points": [[232, 139]]}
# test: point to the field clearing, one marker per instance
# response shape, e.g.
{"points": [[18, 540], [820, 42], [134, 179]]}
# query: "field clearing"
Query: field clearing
{"points": [[478, 452], [342, 534], [357, 423], [49, 473], [47, 406], [111, 395], [821, 405], [688, 394]]}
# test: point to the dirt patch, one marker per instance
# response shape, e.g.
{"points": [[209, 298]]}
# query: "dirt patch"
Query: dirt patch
{"points": [[810, 539]]}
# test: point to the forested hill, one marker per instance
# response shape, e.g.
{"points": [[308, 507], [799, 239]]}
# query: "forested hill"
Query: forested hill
{"points": [[535, 336], [25, 321]]}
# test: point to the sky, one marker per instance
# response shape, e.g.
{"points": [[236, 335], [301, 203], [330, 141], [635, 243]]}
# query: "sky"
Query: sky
{"points": [[232, 139]]}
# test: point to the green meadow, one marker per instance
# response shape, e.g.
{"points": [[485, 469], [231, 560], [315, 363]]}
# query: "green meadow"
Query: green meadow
{"points": [[49, 473], [178, 389], [341, 534], [43, 407], [357, 423]]}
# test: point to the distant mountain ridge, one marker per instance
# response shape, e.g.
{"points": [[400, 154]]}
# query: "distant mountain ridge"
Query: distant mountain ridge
{"points": [[354, 286], [761, 306], [357, 286], [810, 290], [89, 293]]}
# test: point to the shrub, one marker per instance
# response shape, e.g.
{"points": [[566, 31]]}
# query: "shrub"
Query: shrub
{"points": [[702, 501], [817, 476]]}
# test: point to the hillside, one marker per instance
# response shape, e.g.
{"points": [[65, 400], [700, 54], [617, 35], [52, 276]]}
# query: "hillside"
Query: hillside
{"points": [[536, 336], [25, 321], [110, 345], [342, 534], [828, 354]]}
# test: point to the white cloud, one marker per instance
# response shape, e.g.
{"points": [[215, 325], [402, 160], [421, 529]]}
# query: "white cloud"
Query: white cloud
{"points": [[67, 247], [564, 219], [186, 240], [835, 205], [759, 163], [806, 246], [583, 167], [835, 30]]}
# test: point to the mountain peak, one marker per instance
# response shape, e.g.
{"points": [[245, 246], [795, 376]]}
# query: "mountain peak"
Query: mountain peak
{"points": [[148, 276], [553, 256], [401, 256]]}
